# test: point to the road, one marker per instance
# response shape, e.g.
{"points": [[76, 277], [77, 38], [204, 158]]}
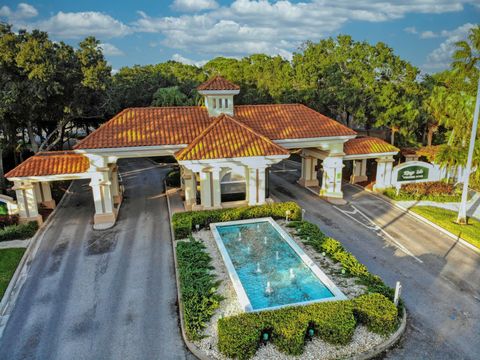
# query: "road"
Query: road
{"points": [[102, 294], [440, 278]]}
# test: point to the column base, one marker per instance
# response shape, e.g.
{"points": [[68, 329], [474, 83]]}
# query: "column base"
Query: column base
{"points": [[104, 221], [307, 183], [49, 204], [335, 195], [25, 220]]}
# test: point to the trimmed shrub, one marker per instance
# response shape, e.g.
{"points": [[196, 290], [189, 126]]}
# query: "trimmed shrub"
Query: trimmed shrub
{"points": [[184, 223], [198, 287], [377, 312], [311, 235], [7, 220], [440, 191], [20, 231], [239, 335]]}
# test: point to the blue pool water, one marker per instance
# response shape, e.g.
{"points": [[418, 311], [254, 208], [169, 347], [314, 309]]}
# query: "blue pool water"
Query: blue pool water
{"points": [[260, 256]]}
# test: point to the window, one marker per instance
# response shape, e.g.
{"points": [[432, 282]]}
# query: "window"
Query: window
{"points": [[220, 103], [226, 103], [214, 103]]}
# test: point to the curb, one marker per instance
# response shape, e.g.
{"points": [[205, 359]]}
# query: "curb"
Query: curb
{"points": [[422, 219], [191, 346], [385, 346], [18, 279], [14, 244]]}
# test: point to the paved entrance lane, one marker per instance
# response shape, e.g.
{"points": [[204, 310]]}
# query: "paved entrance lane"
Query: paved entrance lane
{"points": [[102, 294], [440, 292]]}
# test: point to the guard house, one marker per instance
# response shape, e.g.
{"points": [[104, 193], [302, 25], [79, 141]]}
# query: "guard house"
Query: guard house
{"points": [[222, 148]]}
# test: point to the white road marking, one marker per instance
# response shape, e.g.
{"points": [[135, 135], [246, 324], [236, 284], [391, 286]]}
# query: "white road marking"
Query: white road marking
{"points": [[375, 227]]}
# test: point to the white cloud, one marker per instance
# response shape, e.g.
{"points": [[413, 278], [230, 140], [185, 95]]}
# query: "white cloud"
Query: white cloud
{"points": [[276, 27], [194, 5], [441, 57], [111, 50], [411, 30], [181, 59], [23, 11], [72, 25], [428, 35]]}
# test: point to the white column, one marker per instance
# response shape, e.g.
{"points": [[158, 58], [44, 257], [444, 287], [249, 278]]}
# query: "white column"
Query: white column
{"points": [[190, 184], [384, 174], [27, 202], [116, 191], [256, 185], [206, 196], [309, 174], [215, 187], [105, 214], [359, 171], [332, 177]]}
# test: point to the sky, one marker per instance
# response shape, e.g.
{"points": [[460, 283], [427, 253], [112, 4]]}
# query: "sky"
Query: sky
{"points": [[194, 31]]}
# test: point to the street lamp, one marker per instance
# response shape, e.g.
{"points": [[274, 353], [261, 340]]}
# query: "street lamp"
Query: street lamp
{"points": [[462, 213]]}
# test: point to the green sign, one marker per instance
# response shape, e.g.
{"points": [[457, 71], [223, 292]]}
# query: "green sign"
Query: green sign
{"points": [[412, 173]]}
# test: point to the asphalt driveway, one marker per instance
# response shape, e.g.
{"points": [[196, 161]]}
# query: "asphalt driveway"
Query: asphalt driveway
{"points": [[102, 294], [440, 278]]}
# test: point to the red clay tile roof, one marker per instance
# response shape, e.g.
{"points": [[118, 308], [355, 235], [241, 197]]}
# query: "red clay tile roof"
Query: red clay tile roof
{"points": [[218, 83], [228, 138], [51, 163], [180, 125], [289, 121], [367, 145]]}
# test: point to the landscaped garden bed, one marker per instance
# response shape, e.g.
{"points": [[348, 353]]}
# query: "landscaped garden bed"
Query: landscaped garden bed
{"points": [[217, 324], [438, 191], [446, 219]]}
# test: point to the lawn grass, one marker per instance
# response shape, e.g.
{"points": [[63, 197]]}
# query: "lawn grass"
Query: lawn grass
{"points": [[446, 219], [9, 259]]}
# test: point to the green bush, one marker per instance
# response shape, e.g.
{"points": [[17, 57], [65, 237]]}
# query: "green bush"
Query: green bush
{"points": [[184, 223], [377, 312], [239, 335], [439, 191], [20, 231], [198, 287], [313, 236]]}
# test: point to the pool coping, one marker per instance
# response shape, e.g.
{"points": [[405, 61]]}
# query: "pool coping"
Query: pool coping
{"points": [[237, 284]]}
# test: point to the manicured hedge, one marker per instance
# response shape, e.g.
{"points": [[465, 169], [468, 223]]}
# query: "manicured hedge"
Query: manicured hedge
{"points": [[198, 286], [439, 191], [184, 223], [313, 236], [377, 312], [239, 336], [20, 231]]}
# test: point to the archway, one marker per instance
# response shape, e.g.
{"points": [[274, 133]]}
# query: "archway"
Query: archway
{"points": [[233, 186]]}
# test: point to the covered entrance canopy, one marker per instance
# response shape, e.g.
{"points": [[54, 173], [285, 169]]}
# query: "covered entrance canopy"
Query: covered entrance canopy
{"points": [[208, 142]]}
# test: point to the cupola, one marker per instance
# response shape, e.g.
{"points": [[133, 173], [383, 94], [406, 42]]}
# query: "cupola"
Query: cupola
{"points": [[218, 94]]}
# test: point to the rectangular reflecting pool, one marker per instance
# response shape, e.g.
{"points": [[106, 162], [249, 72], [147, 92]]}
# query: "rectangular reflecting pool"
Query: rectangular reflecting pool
{"points": [[267, 268]]}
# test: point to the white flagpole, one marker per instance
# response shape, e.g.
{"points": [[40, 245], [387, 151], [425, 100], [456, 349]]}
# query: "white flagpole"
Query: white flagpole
{"points": [[462, 213]]}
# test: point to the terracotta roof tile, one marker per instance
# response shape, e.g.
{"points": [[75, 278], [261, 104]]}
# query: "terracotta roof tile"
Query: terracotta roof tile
{"points": [[218, 83], [289, 121], [180, 125], [229, 138], [367, 145], [51, 163]]}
